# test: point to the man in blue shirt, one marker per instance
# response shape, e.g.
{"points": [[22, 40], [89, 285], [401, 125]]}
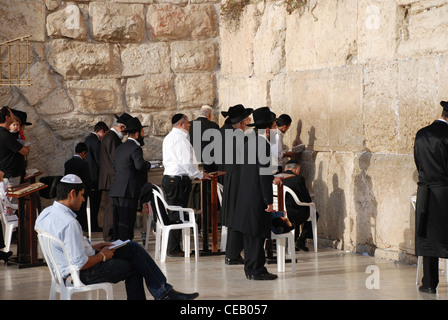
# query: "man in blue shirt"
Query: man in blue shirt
{"points": [[98, 263]]}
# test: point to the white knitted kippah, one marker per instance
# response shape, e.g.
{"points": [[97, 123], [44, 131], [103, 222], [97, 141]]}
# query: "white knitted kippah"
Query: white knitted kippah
{"points": [[71, 178]]}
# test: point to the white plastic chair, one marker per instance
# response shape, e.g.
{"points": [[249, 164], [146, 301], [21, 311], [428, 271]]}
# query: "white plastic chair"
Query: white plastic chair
{"points": [[150, 219], [223, 228], [65, 288], [312, 217], [280, 240], [10, 222], [162, 230], [420, 259]]}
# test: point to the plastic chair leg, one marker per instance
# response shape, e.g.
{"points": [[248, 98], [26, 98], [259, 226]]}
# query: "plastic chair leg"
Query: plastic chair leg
{"points": [[164, 245], [419, 270], [186, 241], [280, 254]]}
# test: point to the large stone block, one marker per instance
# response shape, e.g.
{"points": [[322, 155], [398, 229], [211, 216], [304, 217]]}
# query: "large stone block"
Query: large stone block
{"points": [[56, 103], [380, 108], [251, 92], [96, 96], [42, 83], [423, 28], [80, 60], [171, 22], [67, 23], [195, 89], [117, 22], [269, 42], [237, 45], [418, 103], [153, 91], [140, 59], [322, 36], [193, 56], [21, 18]]}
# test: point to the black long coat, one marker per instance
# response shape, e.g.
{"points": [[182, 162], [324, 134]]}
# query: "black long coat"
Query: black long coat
{"points": [[93, 158], [231, 185], [205, 125], [78, 166], [106, 176], [131, 171], [255, 192], [431, 158]]}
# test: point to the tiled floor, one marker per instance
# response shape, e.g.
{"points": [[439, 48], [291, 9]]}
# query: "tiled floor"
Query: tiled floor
{"points": [[328, 275]]}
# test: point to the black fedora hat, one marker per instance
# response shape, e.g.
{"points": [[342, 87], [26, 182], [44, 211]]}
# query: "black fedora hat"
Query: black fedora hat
{"points": [[261, 116], [238, 113], [123, 118], [133, 124], [22, 116], [444, 104]]}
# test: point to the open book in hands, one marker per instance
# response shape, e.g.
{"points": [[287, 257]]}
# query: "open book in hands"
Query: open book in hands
{"points": [[118, 244]]}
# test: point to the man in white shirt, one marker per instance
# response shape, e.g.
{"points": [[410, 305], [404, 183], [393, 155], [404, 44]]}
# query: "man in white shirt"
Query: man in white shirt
{"points": [[130, 263], [278, 149], [181, 166]]}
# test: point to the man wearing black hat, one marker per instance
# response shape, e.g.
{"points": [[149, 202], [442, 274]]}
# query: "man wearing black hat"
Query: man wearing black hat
{"points": [[278, 150], [298, 215], [12, 152], [238, 118], [254, 204], [109, 144], [180, 166], [431, 159], [131, 173]]}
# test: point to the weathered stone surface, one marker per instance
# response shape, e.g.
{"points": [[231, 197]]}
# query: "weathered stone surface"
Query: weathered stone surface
{"points": [[312, 41], [162, 124], [79, 60], [96, 96], [251, 92], [56, 103], [116, 22], [171, 22], [67, 23], [21, 18], [269, 42], [140, 59], [51, 4], [193, 56], [42, 81], [195, 89], [150, 92]]}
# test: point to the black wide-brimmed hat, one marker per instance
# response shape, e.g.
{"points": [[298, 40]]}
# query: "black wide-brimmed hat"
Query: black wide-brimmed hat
{"points": [[123, 118], [238, 113], [444, 104], [261, 116], [22, 116], [133, 124]]}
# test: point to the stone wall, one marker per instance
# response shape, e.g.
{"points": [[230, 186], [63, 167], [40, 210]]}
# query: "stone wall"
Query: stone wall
{"points": [[359, 78], [94, 58]]}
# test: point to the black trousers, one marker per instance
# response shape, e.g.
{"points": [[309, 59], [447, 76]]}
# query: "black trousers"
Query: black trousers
{"points": [[254, 256], [124, 214], [177, 191], [430, 272], [234, 244], [95, 204]]}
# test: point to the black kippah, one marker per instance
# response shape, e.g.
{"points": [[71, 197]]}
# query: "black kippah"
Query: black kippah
{"points": [[176, 118], [444, 104]]}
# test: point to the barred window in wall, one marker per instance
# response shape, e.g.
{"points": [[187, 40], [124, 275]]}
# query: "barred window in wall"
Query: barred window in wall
{"points": [[15, 60]]}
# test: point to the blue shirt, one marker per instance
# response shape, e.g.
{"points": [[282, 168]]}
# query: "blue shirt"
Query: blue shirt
{"points": [[61, 222]]}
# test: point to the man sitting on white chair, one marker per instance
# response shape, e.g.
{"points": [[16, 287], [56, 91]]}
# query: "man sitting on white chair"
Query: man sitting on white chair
{"points": [[98, 263], [298, 215]]}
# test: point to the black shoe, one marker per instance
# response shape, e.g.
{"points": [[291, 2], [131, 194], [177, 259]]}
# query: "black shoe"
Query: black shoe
{"points": [[300, 245], [5, 256], [176, 254], [175, 295], [263, 276], [427, 290], [238, 260]]}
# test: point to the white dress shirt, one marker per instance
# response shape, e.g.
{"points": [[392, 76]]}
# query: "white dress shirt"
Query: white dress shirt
{"points": [[178, 155]]}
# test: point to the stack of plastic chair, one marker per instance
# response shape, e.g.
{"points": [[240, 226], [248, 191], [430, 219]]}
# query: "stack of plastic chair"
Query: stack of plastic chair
{"points": [[10, 222]]}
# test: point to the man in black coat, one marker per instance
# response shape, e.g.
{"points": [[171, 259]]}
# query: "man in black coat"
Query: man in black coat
{"points": [[77, 165], [298, 215], [238, 118], [254, 204], [203, 123], [131, 173], [431, 159], [109, 144], [93, 143]]}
